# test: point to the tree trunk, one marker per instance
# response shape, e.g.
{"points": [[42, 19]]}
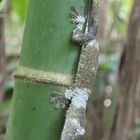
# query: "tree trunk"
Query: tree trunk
{"points": [[129, 77], [48, 57], [2, 57]]}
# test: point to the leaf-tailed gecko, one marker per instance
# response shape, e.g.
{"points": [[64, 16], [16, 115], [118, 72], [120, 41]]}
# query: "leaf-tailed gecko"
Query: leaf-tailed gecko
{"points": [[78, 93]]}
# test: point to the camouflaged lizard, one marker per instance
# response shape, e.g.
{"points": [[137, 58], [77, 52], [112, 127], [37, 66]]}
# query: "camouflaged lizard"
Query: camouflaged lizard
{"points": [[78, 93]]}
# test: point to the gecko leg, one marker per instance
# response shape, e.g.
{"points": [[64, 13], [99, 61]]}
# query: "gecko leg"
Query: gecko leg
{"points": [[59, 100], [78, 36]]}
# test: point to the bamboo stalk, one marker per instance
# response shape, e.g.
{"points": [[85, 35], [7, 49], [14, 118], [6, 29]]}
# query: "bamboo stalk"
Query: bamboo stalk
{"points": [[47, 48]]}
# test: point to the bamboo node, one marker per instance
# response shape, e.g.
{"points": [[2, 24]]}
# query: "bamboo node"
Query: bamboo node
{"points": [[43, 77]]}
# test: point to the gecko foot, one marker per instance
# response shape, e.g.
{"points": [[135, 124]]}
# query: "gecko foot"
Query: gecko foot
{"points": [[59, 100], [73, 12]]}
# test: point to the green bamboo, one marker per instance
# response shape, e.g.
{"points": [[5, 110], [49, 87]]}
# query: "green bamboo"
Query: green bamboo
{"points": [[47, 47]]}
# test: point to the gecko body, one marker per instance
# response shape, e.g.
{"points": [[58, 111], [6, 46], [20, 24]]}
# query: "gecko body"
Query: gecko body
{"points": [[78, 93]]}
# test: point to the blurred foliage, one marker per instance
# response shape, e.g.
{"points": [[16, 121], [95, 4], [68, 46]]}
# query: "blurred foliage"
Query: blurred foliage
{"points": [[4, 106], [20, 7], [118, 14], [2, 4]]}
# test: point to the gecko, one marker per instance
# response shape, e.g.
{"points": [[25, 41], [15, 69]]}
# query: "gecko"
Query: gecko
{"points": [[78, 93]]}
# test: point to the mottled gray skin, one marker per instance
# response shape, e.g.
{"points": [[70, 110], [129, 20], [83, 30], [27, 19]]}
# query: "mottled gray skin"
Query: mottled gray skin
{"points": [[80, 90], [87, 67], [85, 77]]}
